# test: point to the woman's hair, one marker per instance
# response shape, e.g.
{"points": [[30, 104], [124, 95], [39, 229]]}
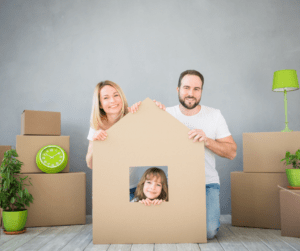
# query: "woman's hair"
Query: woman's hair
{"points": [[154, 171], [98, 114]]}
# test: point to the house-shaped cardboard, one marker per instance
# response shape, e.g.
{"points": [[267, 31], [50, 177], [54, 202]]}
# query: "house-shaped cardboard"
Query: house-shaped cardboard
{"points": [[149, 137]]}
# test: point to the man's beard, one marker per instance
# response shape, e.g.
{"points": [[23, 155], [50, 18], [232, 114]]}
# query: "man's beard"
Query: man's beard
{"points": [[190, 107]]}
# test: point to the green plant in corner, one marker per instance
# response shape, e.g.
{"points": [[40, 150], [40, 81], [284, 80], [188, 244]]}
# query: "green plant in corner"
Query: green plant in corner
{"points": [[13, 197], [292, 159], [293, 175]]}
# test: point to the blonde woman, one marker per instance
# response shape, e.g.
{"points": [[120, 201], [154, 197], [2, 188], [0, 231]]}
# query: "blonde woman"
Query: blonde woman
{"points": [[109, 106]]}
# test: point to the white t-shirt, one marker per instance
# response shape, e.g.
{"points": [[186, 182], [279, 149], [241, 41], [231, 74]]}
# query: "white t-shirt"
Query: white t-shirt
{"points": [[212, 122]]}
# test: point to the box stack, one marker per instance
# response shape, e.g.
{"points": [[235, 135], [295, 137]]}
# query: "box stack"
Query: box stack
{"points": [[255, 192], [59, 198]]}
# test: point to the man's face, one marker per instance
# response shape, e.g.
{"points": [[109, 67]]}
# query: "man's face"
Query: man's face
{"points": [[190, 91]]}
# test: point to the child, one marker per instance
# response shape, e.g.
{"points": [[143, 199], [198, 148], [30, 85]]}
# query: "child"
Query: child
{"points": [[152, 188]]}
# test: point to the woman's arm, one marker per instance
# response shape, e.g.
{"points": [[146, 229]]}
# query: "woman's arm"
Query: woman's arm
{"points": [[89, 155]]}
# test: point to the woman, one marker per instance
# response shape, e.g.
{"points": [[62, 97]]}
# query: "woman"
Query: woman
{"points": [[109, 106]]}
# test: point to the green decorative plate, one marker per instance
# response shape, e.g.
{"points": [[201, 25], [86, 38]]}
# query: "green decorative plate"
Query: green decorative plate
{"points": [[51, 159]]}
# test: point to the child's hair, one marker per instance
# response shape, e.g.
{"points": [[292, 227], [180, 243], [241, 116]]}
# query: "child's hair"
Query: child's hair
{"points": [[154, 171], [98, 114]]}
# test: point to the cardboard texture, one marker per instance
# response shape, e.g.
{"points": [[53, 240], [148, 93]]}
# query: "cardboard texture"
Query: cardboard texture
{"points": [[289, 212], [40, 123], [59, 199], [3, 149], [255, 199], [263, 151], [150, 137], [28, 146]]}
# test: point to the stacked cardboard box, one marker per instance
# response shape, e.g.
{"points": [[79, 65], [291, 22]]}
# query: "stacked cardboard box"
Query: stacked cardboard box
{"points": [[255, 192], [59, 199]]}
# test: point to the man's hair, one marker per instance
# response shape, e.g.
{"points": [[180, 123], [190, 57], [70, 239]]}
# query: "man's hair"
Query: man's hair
{"points": [[190, 72]]}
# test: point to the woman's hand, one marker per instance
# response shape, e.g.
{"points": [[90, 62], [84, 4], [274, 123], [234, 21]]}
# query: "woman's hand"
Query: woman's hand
{"points": [[99, 135], [160, 105], [135, 107]]}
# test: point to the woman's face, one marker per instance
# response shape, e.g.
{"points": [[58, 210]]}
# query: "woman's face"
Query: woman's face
{"points": [[152, 187], [110, 100]]}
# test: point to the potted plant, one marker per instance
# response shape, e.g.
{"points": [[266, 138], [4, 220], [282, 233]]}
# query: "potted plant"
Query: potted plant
{"points": [[13, 197], [293, 175]]}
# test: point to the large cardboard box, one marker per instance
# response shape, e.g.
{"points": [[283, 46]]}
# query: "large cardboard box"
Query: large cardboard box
{"points": [[255, 199], [40, 123], [263, 151], [290, 213], [28, 146], [3, 149], [59, 199], [150, 137]]}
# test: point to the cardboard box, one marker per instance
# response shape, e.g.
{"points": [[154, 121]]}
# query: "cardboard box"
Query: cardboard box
{"points": [[28, 146], [255, 199], [264, 151], [59, 199], [289, 212], [150, 137], [3, 149], [40, 123]]}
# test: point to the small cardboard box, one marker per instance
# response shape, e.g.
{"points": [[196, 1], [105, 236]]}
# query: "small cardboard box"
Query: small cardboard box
{"points": [[264, 151], [150, 137], [40, 123], [255, 199], [28, 146], [3, 149], [290, 213], [59, 199]]}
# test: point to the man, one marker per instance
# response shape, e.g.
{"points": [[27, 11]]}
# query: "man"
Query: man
{"points": [[208, 125]]}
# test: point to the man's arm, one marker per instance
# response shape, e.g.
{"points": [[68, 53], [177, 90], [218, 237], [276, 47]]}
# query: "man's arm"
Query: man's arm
{"points": [[224, 147]]}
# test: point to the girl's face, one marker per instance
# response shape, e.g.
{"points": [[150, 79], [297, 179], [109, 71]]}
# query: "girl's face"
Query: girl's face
{"points": [[152, 187], [110, 100]]}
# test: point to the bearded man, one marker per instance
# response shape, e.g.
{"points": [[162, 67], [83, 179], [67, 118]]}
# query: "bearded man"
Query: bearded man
{"points": [[206, 124]]}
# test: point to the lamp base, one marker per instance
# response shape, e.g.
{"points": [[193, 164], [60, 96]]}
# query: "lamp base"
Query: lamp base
{"points": [[286, 129]]}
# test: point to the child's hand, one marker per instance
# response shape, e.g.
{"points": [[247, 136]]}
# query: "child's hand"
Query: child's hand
{"points": [[134, 108], [100, 135], [146, 202], [157, 202]]}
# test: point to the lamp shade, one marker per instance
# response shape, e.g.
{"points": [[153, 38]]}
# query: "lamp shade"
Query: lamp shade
{"points": [[285, 80]]}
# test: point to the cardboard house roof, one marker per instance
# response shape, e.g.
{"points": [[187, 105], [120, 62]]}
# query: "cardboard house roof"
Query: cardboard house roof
{"points": [[149, 137]]}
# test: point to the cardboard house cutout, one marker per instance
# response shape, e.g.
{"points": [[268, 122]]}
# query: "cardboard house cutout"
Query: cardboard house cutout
{"points": [[149, 137]]}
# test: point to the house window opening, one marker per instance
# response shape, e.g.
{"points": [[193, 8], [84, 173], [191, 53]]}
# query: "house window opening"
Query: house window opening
{"points": [[148, 184]]}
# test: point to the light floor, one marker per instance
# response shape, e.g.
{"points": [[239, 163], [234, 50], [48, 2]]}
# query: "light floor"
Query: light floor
{"points": [[79, 237]]}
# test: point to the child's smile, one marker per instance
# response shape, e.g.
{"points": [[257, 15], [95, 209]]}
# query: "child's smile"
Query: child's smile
{"points": [[152, 187]]}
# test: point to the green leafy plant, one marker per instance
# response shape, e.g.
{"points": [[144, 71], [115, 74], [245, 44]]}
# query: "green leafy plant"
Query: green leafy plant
{"points": [[292, 159], [12, 195]]}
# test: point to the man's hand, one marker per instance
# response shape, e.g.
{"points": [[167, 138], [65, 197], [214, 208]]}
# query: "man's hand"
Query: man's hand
{"points": [[198, 135], [99, 135], [160, 105]]}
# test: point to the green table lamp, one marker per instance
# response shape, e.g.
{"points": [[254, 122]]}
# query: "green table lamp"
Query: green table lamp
{"points": [[285, 81]]}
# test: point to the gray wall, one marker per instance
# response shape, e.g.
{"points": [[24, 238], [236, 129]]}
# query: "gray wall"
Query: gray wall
{"points": [[53, 53]]}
